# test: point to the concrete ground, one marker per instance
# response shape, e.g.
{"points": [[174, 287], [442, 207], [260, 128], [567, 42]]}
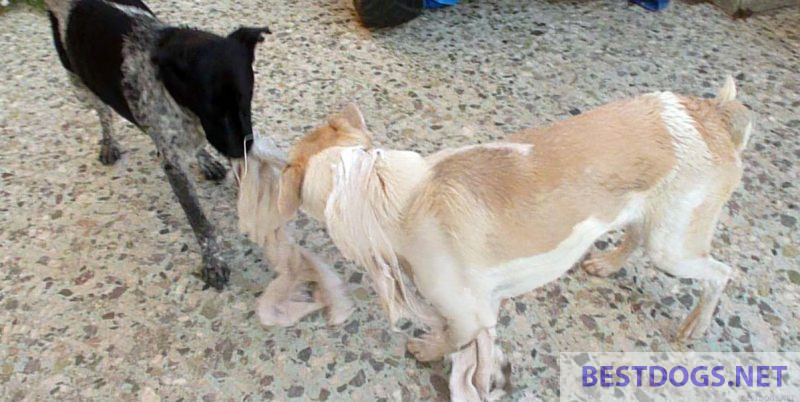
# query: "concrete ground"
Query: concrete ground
{"points": [[97, 296]]}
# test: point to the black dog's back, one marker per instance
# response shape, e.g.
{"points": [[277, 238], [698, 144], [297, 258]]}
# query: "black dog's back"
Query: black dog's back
{"points": [[92, 49], [133, 3]]}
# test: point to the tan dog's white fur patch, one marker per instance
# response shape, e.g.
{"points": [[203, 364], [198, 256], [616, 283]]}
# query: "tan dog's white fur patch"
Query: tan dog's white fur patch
{"points": [[475, 225]]}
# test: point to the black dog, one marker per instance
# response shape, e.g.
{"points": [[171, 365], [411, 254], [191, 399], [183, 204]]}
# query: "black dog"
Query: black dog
{"points": [[174, 83]]}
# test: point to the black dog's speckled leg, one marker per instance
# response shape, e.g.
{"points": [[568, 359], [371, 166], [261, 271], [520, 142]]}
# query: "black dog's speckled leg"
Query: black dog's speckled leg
{"points": [[215, 272], [212, 169], [109, 150]]}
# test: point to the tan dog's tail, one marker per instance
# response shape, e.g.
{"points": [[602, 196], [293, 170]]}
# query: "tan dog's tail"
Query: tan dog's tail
{"points": [[735, 114]]}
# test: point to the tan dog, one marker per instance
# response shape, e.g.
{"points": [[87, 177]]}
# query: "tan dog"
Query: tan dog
{"points": [[475, 225]]}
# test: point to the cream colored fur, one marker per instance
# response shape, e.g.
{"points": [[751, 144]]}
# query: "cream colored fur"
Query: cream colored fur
{"points": [[363, 198], [478, 224]]}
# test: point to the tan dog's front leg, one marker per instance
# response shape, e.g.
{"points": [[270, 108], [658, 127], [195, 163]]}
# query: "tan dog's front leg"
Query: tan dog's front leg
{"points": [[284, 302], [431, 346], [434, 344], [330, 290], [479, 371], [288, 299]]}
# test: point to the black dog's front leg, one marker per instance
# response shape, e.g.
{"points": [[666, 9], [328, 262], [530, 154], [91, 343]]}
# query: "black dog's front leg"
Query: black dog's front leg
{"points": [[215, 272]]}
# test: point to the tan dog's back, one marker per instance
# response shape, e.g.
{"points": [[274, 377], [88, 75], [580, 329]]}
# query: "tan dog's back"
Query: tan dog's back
{"points": [[521, 202]]}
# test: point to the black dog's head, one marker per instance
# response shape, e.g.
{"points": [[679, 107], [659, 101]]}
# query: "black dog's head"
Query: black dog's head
{"points": [[213, 77]]}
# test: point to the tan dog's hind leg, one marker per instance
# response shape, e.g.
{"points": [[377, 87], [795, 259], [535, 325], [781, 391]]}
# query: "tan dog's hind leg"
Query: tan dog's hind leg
{"points": [[610, 261], [698, 321], [714, 276], [684, 249]]}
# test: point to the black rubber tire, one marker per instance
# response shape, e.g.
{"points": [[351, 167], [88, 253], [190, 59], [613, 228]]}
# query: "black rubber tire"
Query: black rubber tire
{"points": [[387, 13]]}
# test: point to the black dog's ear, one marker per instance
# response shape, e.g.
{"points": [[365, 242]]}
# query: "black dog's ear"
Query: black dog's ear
{"points": [[249, 37]]}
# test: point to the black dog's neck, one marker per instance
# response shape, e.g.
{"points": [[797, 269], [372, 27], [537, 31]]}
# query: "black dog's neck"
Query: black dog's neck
{"points": [[176, 54]]}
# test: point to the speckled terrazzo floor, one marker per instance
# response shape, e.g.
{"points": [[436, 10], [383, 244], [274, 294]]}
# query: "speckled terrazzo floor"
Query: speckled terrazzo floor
{"points": [[97, 300]]}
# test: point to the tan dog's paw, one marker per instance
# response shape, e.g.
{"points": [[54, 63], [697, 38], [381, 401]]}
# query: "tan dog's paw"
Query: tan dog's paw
{"points": [[428, 347], [601, 266], [285, 314], [339, 312], [276, 308]]}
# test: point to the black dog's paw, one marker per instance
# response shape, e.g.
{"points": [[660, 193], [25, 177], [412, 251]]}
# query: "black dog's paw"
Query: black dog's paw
{"points": [[214, 273], [212, 169], [109, 152]]}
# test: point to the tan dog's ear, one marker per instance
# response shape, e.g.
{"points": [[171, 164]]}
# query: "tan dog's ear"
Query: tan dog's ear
{"points": [[352, 114], [351, 118], [289, 192]]}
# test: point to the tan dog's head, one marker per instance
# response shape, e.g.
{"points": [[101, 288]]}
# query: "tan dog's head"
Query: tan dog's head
{"points": [[343, 129], [337, 178]]}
